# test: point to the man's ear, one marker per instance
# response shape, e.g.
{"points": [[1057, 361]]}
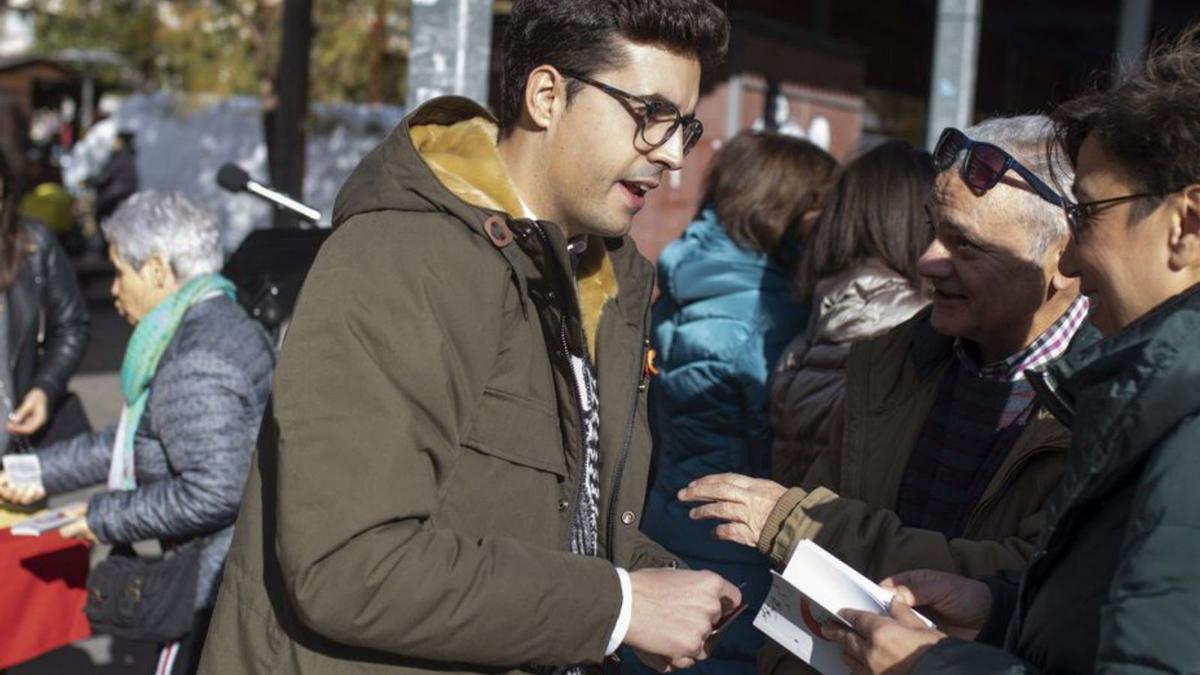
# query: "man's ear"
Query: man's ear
{"points": [[1184, 239], [545, 96]]}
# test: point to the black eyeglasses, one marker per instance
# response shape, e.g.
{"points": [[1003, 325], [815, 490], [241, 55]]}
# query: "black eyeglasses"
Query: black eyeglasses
{"points": [[1079, 216], [985, 164], [657, 120]]}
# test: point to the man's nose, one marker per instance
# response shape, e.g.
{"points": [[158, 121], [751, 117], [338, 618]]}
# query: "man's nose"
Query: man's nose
{"points": [[935, 261], [669, 154]]}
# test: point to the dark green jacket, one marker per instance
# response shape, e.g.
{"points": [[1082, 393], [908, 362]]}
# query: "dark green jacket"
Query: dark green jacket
{"points": [[409, 506], [1115, 584]]}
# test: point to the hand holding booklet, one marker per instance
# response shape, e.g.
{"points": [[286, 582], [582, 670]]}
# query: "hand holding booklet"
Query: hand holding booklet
{"points": [[47, 521], [813, 588]]}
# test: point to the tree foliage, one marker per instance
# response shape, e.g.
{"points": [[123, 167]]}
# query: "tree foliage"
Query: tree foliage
{"points": [[232, 46]]}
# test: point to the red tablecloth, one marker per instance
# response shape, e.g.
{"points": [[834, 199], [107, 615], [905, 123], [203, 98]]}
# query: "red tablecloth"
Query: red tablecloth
{"points": [[42, 593]]}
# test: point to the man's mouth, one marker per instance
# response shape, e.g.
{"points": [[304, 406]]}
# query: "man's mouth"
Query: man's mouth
{"points": [[637, 189]]}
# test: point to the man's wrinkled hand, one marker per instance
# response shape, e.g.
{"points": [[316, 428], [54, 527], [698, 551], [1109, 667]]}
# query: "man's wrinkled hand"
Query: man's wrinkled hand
{"points": [[883, 644], [744, 504], [673, 614], [958, 605]]}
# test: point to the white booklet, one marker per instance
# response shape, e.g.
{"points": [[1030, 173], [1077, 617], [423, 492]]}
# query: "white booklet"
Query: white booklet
{"points": [[47, 521], [813, 588]]}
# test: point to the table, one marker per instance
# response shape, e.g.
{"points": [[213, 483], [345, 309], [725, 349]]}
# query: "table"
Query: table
{"points": [[42, 592]]}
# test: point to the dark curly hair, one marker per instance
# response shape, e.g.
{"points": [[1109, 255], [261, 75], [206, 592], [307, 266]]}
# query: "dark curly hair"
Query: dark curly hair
{"points": [[1149, 123], [581, 36]]}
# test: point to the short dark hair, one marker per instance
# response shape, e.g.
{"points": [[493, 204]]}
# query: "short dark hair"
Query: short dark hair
{"points": [[1149, 123], [580, 36], [875, 210], [763, 186]]}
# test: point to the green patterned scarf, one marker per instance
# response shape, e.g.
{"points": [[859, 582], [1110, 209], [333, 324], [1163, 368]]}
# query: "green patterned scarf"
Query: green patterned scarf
{"points": [[150, 339]]}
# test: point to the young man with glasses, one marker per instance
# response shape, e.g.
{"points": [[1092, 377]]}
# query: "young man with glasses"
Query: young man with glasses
{"points": [[451, 474], [941, 457]]}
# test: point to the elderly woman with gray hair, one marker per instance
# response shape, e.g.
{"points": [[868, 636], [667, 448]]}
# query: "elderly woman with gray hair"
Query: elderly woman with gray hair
{"points": [[195, 381]]}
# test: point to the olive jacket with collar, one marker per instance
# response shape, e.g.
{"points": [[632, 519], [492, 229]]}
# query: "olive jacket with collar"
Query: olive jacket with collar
{"points": [[1113, 586], [47, 317], [846, 503], [418, 464]]}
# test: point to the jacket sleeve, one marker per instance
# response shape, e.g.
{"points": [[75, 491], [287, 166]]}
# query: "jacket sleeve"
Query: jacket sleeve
{"points": [[66, 321], [878, 545], [372, 389], [1150, 621], [77, 462], [649, 554], [203, 410], [874, 541]]}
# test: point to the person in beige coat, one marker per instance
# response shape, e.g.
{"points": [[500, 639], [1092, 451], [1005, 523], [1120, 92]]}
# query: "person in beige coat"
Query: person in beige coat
{"points": [[941, 457], [860, 270]]}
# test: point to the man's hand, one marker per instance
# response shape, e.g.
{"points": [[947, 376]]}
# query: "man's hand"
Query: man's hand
{"points": [[881, 644], [19, 495], [958, 605], [744, 503], [31, 415], [674, 612]]}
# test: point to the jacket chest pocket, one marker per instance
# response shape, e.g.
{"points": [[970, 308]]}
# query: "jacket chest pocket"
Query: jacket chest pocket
{"points": [[511, 476]]}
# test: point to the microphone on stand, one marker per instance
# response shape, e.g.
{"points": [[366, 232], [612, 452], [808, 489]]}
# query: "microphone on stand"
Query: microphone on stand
{"points": [[235, 179]]}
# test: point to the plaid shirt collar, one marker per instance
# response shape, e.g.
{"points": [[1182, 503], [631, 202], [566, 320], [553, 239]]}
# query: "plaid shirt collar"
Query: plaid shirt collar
{"points": [[1048, 346]]}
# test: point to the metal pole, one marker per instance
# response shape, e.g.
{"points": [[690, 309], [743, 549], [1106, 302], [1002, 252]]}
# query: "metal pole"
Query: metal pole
{"points": [[292, 89], [1133, 35], [451, 50], [955, 57]]}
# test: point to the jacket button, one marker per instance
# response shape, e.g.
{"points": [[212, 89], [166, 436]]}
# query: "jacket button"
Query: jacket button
{"points": [[550, 295], [627, 517], [642, 386], [563, 504]]}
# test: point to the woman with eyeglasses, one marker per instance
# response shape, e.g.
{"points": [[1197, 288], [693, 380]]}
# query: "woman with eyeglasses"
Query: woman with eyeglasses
{"points": [[725, 314], [1114, 586]]}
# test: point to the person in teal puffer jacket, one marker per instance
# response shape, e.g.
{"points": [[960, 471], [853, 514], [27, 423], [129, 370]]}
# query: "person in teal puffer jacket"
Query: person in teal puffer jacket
{"points": [[726, 312]]}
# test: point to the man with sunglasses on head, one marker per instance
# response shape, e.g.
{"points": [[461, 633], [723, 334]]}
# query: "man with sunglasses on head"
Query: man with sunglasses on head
{"points": [[451, 472], [942, 458]]}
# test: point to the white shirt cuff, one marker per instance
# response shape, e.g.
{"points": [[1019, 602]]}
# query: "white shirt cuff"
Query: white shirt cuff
{"points": [[626, 615]]}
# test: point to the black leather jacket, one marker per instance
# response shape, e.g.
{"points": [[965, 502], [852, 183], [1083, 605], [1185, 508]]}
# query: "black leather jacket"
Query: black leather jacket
{"points": [[47, 318]]}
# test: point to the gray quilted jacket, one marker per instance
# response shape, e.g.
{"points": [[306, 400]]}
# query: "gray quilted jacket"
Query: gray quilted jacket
{"points": [[810, 378], [194, 444]]}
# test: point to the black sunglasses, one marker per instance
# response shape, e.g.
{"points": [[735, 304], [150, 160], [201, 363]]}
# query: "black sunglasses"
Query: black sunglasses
{"points": [[985, 164], [657, 120]]}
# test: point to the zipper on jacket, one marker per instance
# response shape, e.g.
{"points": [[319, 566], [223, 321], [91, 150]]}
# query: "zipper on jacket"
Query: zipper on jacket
{"points": [[566, 355], [612, 505]]}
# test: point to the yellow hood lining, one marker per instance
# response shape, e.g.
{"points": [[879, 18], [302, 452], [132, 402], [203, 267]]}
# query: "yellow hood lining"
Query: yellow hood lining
{"points": [[465, 158]]}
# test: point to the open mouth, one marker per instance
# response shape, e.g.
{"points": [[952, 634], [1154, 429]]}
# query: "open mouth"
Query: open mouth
{"points": [[636, 189]]}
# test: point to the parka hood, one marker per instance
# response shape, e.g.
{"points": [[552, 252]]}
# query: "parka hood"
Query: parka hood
{"points": [[445, 158]]}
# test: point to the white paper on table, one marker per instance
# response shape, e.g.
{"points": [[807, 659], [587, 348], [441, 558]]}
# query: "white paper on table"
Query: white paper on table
{"points": [[813, 588]]}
